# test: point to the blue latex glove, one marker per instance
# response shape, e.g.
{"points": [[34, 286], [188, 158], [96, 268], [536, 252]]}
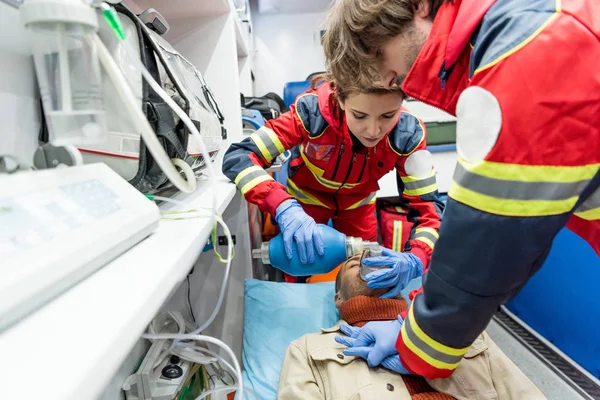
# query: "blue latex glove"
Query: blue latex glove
{"points": [[295, 224], [404, 267], [374, 342]]}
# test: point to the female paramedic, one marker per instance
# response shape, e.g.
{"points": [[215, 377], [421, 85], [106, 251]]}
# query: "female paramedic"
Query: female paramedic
{"points": [[343, 140]]}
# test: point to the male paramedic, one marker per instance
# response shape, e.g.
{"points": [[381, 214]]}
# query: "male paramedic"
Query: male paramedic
{"points": [[522, 78], [315, 368]]}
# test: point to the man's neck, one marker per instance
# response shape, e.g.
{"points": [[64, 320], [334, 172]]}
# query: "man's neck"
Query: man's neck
{"points": [[359, 310]]}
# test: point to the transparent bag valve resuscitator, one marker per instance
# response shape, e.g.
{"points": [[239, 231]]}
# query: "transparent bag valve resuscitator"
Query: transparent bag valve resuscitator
{"points": [[373, 251], [67, 68]]}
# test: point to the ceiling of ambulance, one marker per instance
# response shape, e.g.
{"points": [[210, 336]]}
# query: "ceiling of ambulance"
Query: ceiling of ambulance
{"points": [[291, 6]]}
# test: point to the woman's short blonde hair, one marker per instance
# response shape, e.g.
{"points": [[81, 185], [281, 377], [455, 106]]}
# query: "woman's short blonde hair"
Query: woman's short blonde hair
{"points": [[343, 91], [356, 28]]}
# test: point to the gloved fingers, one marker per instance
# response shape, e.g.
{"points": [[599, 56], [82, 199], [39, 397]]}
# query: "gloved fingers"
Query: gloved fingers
{"points": [[377, 355], [288, 239], [382, 275], [349, 330], [394, 364], [392, 293], [345, 340], [310, 246], [390, 253], [377, 261], [318, 241], [362, 352], [364, 339], [300, 246]]}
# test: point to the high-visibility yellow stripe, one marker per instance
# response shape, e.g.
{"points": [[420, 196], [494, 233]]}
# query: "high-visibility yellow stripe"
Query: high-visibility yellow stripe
{"points": [[509, 207], [302, 196], [371, 199], [429, 230], [410, 179], [424, 356], [531, 173], [261, 146], [426, 241], [274, 138], [318, 174], [246, 172], [250, 185], [421, 191], [589, 215], [442, 348], [519, 46], [314, 169], [397, 236], [558, 6]]}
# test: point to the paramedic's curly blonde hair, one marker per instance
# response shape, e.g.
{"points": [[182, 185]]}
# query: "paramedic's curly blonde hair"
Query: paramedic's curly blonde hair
{"points": [[356, 28]]}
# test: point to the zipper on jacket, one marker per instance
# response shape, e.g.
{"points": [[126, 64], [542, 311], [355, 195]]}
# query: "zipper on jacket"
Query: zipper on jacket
{"points": [[337, 164], [337, 207], [362, 171]]}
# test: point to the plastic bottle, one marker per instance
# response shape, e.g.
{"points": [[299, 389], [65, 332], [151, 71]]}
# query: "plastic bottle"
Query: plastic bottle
{"points": [[67, 68], [338, 247]]}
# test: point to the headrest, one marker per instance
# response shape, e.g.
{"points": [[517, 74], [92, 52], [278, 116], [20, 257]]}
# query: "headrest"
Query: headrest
{"points": [[291, 90]]}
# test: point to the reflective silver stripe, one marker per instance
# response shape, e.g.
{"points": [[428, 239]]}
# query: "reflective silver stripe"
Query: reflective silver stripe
{"points": [[254, 174], [264, 136], [420, 184], [517, 190], [590, 203], [363, 202], [428, 235], [427, 349]]}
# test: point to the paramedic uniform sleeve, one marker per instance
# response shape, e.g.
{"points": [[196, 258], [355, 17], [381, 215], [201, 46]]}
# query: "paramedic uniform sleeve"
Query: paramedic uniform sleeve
{"points": [[528, 145], [245, 162], [420, 194], [297, 380]]}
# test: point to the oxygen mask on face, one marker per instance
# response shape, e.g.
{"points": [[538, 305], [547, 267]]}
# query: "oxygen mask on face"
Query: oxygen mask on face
{"points": [[373, 251]]}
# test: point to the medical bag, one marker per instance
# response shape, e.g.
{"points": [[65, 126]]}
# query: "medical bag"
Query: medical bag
{"points": [[123, 150], [270, 105], [394, 226]]}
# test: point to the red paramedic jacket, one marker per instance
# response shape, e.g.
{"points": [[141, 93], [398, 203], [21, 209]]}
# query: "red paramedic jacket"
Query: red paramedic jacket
{"points": [[327, 170], [534, 64]]}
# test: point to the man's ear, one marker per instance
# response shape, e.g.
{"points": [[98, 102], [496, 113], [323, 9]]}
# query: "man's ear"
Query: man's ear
{"points": [[338, 299], [423, 8]]}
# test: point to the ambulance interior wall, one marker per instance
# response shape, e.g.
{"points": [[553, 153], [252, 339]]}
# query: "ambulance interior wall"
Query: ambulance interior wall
{"points": [[288, 48], [19, 99]]}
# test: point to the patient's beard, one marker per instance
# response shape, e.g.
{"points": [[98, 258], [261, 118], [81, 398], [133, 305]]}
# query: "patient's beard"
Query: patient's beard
{"points": [[359, 310]]}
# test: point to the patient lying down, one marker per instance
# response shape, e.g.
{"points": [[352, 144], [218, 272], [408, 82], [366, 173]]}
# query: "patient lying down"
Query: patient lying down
{"points": [[316, 368]]}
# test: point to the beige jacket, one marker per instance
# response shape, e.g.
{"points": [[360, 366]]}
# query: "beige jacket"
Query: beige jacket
{"points": [[316, 368]]}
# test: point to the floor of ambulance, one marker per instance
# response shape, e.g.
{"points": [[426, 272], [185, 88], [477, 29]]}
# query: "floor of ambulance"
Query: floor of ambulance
{"points": [[553, 387]]}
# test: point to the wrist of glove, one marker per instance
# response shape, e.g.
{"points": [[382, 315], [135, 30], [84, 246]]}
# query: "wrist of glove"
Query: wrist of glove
{"points": [[297, 226], [401, 269], [374, 342]]}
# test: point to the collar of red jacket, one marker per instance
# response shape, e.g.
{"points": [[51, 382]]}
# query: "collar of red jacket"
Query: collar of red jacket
{"points": [[359, 310], [440, 57]]}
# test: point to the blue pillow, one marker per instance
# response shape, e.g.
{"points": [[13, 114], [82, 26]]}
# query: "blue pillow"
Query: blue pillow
{"points": [[276, 314]]}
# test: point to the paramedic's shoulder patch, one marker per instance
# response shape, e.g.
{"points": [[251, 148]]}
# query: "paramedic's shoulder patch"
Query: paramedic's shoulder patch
{"points": [[307, 109], [407, 135]]}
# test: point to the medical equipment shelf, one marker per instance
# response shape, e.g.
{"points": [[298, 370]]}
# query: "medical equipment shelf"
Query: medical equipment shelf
{"points": [[79, 340]]}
